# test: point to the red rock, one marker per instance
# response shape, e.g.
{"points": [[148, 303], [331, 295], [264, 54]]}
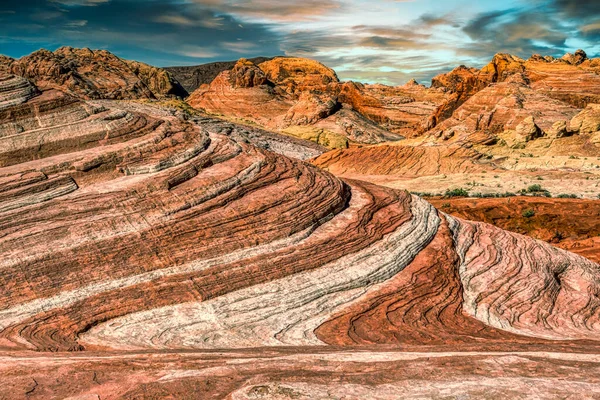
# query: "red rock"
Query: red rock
{"points": [[405, 161], [93, 74], [571, 224], [296, 93], [245, 74], [182, 259]]}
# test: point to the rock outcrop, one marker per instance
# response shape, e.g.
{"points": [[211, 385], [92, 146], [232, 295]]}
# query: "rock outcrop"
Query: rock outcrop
{"points": [[402, 161], [587, 121], [510, 110], [290, 95], [571, 224], [405, 110], [572, 79], [127, 231], [192, 77], [15, 90], [93, 74]]}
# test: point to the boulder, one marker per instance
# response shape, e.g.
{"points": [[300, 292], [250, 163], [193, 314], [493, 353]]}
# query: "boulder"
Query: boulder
{"points": [[527, 130], [587, 121]]}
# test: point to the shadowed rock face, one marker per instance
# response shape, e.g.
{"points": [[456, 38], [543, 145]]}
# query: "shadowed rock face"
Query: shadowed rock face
{"points": [[93, 74], [133, 235], [192, 77]]}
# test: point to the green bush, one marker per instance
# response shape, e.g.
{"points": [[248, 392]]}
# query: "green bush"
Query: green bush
{"points": [[528, 213], [567, 196], [460, 192], [535, 188]]}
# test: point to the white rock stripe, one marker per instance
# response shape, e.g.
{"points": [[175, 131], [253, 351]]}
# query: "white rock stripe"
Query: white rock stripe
{"points": [[285, 311], [24, 311]]}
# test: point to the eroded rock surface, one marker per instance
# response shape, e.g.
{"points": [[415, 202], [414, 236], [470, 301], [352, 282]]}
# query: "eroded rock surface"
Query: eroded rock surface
{"points": [[145, 247], [289, 94], [93, 74]]}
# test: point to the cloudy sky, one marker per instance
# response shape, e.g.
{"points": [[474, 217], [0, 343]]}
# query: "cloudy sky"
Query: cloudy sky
{"points": [[388, 41]]}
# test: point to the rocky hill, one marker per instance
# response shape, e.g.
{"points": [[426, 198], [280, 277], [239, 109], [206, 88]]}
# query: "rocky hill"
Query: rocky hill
{"points": [[294, 96], [496, 131], [164, 255], [93, 74], [192, 77]]}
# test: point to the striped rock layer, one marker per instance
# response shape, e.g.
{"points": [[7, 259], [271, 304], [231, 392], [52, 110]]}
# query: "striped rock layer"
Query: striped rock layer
{"points": [[126, 231]]}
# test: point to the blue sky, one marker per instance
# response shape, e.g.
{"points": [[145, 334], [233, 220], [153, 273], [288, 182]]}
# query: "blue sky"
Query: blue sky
{"points": [[388, 41]]}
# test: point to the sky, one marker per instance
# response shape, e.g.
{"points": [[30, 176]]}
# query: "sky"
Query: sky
{"points": [[386, 41]]}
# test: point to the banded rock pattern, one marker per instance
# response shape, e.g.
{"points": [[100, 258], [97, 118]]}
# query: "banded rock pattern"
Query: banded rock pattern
{"points": [[126, 229]]}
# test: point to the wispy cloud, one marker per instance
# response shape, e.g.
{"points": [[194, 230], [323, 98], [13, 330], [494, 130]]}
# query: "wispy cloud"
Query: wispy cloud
{"points": [[388, 41]]}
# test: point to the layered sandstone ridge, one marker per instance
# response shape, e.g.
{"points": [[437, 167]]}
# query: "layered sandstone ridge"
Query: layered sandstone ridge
{"points": [[509, 90], [496, 131], [148, 239], [93, 74], [125, 228]]}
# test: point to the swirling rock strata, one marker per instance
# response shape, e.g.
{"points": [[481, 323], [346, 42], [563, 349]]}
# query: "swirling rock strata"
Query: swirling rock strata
{"points": [[406, 161], [570, 224], [126, 229]]}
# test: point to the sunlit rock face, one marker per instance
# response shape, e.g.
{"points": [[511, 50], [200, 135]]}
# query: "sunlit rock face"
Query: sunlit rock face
{"points": [[300, 96], [93, 74]]}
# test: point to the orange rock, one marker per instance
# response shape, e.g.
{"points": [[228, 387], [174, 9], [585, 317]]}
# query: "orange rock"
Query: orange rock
{"points": [[94, 74]]}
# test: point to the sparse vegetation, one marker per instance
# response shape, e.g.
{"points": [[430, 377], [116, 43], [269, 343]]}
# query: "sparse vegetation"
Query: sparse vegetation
{"points": [[425, 194], [567, 196], [460, 192], [535, 190], [493, 195], [529, 213]]}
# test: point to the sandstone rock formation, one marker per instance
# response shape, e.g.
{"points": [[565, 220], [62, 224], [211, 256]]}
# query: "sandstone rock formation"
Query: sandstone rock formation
{"points": [[93, 74], [191, 255], [192, 77], [572, 79], [509, 106], [296, 75], [402, 161], [287, 95], [571, 224], [405, 110], [15, 90], [167, 235], [587, 121]]}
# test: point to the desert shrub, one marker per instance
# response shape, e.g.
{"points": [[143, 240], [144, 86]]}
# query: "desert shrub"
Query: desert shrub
{"points": [[460, 192], [535, 188], [528, 213], [567, 196]]}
